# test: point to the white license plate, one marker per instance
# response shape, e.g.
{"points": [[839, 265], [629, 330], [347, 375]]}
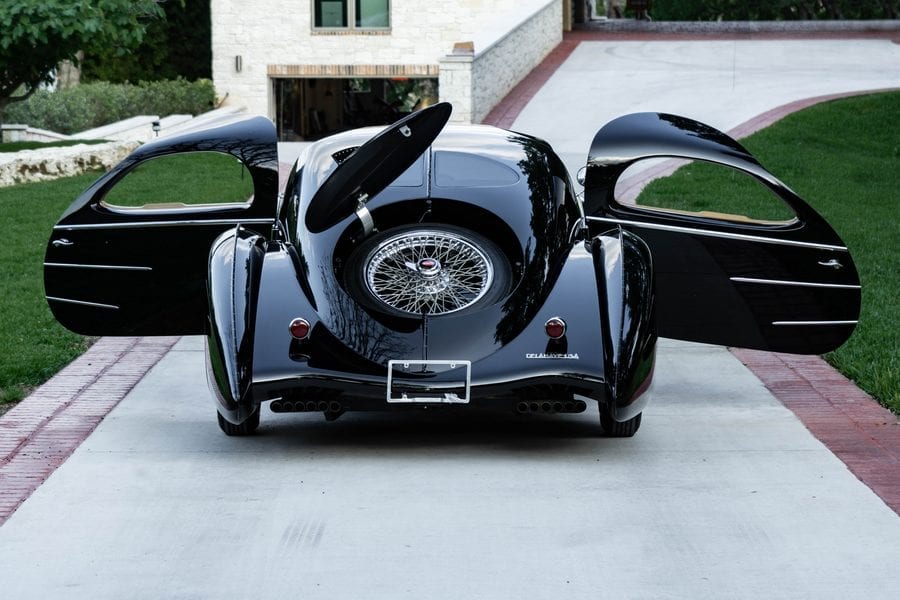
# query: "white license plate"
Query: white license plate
{"points": [[454, 391]]}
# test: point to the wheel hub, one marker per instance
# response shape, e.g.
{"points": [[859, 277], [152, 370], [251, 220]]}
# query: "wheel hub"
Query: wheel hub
{"points": [[429, 267]]}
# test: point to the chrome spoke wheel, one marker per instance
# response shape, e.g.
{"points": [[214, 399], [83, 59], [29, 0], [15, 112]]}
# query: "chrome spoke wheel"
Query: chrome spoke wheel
{"points": [[428, 271]]}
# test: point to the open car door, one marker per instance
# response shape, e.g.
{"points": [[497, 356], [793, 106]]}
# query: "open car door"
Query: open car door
{"points": [[129, 256], [786, 284]]}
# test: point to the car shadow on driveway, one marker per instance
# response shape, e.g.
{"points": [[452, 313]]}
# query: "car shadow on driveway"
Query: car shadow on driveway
{"points": [[406, 430]]}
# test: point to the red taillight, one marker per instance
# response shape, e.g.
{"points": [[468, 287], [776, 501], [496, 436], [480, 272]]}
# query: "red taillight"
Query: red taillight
{"points": [[299, 328], [555, 328]]}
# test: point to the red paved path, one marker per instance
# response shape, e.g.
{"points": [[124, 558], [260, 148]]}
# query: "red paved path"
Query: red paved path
{"points": [[859, 431], [41, 432]]}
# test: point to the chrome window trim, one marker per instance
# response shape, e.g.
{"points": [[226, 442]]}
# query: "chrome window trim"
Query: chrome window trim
{"points": [[839, 286], [83, 303], [110, 267], [188, 209], [812, 323], [141, 224], [719, 234]]}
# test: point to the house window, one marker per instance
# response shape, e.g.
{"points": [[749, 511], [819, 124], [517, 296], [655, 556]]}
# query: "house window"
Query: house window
{"points": [[351, 14]]}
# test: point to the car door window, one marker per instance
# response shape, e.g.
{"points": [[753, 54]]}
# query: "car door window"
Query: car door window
{"points": [[700, 189], [195, 179]]}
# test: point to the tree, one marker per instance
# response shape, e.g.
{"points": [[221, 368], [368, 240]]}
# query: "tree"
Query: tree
{"points": [[36, 35], [177, 46]]}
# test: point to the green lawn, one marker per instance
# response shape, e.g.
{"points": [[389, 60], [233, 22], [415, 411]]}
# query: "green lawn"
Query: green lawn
{"points": [[197, 178], [33, 346], [842, 157]]}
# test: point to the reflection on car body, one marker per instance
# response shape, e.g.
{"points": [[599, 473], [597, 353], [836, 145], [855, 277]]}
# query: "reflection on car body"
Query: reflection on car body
{"points": [[426, 265]]}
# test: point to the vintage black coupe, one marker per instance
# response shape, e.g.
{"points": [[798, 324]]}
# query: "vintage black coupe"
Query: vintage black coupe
{"points": [[426, 265]]}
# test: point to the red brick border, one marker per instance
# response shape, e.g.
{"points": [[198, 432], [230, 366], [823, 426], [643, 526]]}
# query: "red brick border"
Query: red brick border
{"points": [[776, 114], [42, 431], [504, 114], [864, 435]]}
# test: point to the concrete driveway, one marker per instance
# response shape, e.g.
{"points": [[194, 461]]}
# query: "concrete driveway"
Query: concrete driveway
{"points": [[722, 83], [722, 494]]}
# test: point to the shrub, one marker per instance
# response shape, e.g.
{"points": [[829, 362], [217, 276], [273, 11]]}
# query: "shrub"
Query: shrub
{"points": [[91, 105], [774, 10]]}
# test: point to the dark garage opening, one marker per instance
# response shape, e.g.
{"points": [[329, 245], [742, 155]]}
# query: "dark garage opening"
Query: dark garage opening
{"points": [[311, 108]]}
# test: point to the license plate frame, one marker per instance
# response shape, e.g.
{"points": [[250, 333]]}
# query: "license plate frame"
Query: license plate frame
{"points": [[399, 396]]}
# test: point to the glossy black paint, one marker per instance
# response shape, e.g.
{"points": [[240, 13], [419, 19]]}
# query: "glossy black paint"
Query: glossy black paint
{"points": [[143, 272], [235, 270], [624, 272], [373, 166], [522, 200], [329, 368], [513, 190], [619, 279], [696, 257]]}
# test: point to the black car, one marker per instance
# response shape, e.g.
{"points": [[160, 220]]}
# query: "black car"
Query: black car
{"points": [[426, 265]]}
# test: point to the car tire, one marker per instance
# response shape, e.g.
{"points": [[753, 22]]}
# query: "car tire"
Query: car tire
{"points": [[619, 429], [357, 264], [248, 427]]}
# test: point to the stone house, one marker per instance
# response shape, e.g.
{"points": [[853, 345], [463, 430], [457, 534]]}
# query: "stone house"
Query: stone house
{"points": [[319, 66]]}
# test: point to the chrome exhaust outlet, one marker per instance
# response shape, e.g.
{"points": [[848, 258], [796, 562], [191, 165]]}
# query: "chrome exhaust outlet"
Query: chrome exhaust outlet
{"points": [[551, 407], [334, 410], [284, 406]]}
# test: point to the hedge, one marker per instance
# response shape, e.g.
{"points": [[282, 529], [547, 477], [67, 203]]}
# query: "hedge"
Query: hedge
{"points": [[92, 105], [773, 10]]}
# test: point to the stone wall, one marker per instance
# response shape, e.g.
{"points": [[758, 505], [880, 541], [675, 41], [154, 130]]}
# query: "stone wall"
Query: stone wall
{"points": [[50, 163], [274, 42], [476, 77], [24, 133]]}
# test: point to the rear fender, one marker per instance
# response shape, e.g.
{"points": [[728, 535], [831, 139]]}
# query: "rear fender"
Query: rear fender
{"points": [[624, 272], [235, 266]]}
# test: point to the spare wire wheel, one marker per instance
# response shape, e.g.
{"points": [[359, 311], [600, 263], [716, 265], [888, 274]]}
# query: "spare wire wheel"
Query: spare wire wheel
{"points": [[433, 271]]}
